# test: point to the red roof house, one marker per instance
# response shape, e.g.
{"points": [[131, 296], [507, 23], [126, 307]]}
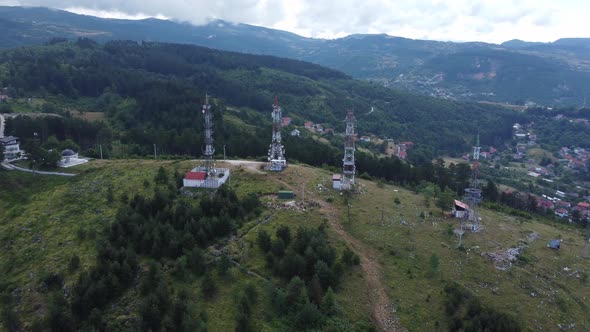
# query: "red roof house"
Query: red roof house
{"points": [[285, 121], [460, 205], [190, 175], [561, 212]]}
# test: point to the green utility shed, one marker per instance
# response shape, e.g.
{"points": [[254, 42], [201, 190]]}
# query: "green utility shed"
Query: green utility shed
{"points": [[286, 194]]}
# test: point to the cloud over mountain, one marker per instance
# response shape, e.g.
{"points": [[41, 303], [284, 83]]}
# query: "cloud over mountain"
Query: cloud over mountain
{"points": [[459, 20]]}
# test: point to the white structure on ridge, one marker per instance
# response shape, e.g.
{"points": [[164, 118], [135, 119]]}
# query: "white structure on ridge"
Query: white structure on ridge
{"points": [[207, 175], [11, 147], [348, 166], [276, 152], [70, 158]]}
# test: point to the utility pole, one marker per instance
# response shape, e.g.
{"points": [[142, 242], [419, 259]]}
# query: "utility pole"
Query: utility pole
{"points": [[348, 205], [100, 146], [303, 193], [224, 152], [587, 240]]}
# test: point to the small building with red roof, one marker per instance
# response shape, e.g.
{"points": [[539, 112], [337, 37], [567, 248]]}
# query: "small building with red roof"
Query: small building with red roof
{"points": [[562, 213], [194, 178], [285, 121], [197, 177], [459, 209]]}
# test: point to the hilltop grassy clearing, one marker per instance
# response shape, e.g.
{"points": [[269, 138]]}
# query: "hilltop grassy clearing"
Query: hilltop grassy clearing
{"points": [[45, 221], [541, 288]]}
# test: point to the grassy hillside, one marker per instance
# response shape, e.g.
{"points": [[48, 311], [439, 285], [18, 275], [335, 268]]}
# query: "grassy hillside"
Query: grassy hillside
{"points": [[45, 221], [412, 255], [543, 287]]}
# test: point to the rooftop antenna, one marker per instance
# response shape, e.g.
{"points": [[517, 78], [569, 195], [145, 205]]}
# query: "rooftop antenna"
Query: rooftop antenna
{"points": [[276, 152], [348, 164]]}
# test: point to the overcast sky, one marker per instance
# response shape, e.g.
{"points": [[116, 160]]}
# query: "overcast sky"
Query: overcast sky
{"points": [[457, 20]]}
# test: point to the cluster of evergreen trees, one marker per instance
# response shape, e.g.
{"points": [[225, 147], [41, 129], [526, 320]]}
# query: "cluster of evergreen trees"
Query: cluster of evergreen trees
{"points": [[162, 227], [313, 270], [467, 314]]}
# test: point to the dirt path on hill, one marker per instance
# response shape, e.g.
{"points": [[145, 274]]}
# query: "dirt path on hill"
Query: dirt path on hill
{"points": [[383, 310], [252, 166]]}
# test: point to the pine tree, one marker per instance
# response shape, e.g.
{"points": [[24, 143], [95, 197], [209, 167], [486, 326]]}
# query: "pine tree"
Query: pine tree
{"points": [[208, 286], [328, 306], [284, 233], [263, 240], [490, 192], [161, 177]]}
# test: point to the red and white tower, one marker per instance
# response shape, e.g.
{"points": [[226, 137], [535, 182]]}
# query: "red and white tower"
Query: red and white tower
{"points": [[348, 167], [276, 152]]}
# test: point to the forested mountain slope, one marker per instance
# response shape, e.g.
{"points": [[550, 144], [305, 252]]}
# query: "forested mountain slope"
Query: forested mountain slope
{"points": [[550, 74], [152, 92]]}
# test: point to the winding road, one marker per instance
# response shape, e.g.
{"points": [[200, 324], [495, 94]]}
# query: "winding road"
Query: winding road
{"points": [[12, 167]]}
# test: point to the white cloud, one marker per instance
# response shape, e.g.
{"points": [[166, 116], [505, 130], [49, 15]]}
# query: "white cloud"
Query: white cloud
{"points": [[113, 14], [458, 20]]}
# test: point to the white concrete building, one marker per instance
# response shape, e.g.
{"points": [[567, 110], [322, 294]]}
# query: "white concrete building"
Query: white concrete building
{"points": [[11, 147], [337, 181], [70, 158], [198, 178]]}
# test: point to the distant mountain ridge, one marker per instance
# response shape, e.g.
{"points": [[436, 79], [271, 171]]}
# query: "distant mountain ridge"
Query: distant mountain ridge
{"points": [[516, 71]]}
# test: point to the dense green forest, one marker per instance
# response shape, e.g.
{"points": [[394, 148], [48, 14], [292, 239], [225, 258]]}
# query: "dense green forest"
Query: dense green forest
{"points": [[151, 93], [555, 132]]}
